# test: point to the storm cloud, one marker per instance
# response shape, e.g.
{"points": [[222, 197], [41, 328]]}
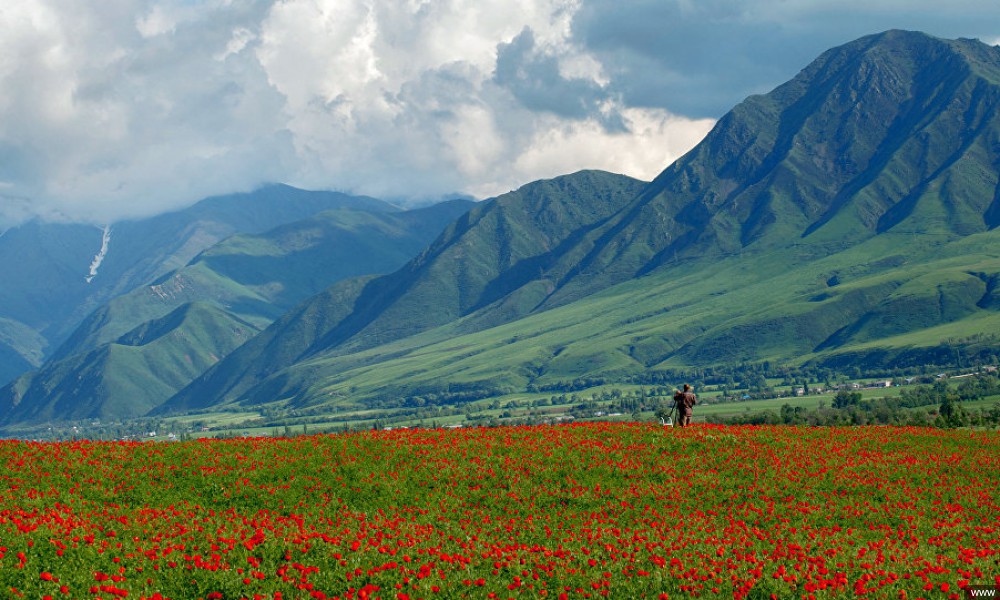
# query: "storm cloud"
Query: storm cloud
{"points": [[140, 106], [699, 58]]}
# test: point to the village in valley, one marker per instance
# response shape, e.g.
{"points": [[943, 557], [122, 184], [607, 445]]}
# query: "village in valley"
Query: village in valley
{"points": [[969, 396]]}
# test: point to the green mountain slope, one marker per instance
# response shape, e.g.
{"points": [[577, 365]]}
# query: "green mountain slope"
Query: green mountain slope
{"points": [[891, 132], [259, 277], [485, 257], [21, 349], [48, 288], [850, 212], [127, 378], [238, 286], [283, 344], [694, 315]]}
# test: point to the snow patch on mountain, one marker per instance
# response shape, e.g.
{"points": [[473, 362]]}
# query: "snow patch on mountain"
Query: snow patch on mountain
{"points": [[99, 257]]}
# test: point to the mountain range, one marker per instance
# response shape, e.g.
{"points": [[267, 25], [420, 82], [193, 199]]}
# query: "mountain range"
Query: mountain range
{"points": [[847, 218], [140, 347], [55, 274]]}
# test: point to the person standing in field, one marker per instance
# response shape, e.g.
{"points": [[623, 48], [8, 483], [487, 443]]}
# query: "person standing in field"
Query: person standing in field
{"points": [[685, 402]]}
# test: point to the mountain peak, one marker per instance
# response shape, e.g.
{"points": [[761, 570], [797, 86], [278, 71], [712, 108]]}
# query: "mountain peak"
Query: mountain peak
{"points": [[921, 50], [874, 136]]}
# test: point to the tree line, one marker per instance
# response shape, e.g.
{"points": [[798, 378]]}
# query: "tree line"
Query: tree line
{"points": [[936, 405]]}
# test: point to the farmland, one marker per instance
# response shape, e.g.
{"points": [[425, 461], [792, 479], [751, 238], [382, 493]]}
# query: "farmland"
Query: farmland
{"points": [[574, 511]]}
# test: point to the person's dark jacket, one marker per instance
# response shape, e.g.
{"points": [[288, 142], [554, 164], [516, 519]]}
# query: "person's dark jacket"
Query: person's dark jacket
{"points": [[685, 402]]}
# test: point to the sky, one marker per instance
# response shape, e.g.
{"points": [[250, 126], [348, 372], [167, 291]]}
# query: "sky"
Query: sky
{"points": [[128, 108]]}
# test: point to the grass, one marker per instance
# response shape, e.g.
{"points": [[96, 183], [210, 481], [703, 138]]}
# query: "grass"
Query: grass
{"points": [[717, 313]]}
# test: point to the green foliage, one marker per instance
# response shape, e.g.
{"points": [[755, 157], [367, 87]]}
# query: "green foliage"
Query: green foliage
{"points": [[845, 399], [937, 405]]}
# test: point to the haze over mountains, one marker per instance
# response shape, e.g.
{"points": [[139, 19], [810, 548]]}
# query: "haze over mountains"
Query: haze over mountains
{"points": [[846, 218], [141, 347], [53, 279]]}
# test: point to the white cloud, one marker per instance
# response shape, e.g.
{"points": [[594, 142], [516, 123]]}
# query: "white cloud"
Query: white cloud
{"points": [[145, 105], [402, 97], [123, 111], [654, 139]]}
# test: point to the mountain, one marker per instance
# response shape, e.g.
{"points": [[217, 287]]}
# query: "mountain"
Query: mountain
{"points": [[847, 217], [482, 258], [877, 136], [137, 350], [259, 277], [127, 378], [55, 274], [21, 348]]}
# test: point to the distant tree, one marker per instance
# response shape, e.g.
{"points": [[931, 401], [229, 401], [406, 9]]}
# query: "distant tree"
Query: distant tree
{"points": [[757, 383], [790, 415], [952, 413], [993, 416], [845, 399]]}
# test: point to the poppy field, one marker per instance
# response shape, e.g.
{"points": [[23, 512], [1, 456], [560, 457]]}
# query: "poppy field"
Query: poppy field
{"points": [[575, 511]]}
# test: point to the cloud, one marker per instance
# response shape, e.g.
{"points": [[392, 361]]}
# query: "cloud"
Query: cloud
{"points": [[423, 99], [690, 57], [566, 147], [534, 78], [125, 111], [700, 58], [148, 105]]}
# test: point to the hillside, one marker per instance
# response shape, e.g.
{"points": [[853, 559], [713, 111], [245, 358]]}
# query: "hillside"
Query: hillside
{"points": [[135, 351], [892, 133], [483, 257], [127, 378], [259, 277], [851, 212], [55, 274]]}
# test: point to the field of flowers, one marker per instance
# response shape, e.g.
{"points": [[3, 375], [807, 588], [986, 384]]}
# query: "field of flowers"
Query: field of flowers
{"points": [[580, 511]]}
